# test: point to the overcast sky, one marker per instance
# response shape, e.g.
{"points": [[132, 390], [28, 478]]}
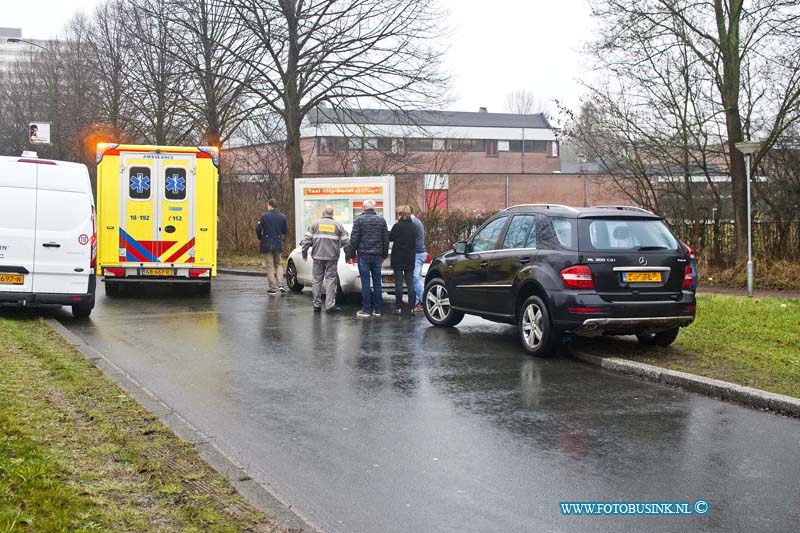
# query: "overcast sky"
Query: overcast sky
{"points": [[496, 46]]}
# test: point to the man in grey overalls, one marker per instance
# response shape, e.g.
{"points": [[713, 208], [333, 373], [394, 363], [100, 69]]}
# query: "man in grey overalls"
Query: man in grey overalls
{"points": [[325, 237]]}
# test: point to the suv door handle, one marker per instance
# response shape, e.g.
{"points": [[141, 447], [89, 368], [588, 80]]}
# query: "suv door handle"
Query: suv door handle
{"points": [[484, 264], [525, 260], [51, 245]]}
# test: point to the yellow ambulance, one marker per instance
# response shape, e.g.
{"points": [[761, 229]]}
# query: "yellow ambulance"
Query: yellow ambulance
{"points": [[156, 214]]}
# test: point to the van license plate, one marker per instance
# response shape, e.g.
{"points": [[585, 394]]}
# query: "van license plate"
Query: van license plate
{"points": [[12, 279], [641, 277], [156, 272]]}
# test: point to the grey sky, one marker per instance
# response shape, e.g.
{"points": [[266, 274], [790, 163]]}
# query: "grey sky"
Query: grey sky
{"points": [[496, 46]]}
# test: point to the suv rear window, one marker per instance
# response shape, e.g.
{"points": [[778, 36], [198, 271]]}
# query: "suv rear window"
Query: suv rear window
{"points": [[626, 235]]}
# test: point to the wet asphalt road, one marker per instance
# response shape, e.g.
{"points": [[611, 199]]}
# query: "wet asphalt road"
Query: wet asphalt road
{"points": [[392, 425]]}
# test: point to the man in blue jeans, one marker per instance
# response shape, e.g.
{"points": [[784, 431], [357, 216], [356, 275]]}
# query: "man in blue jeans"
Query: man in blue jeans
{"points": [[370, 240], [419, 260]]}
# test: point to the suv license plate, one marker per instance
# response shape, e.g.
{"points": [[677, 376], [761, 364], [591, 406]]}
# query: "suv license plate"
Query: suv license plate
{"points": [[641, 277], [12, 279], [156, 272], [388, 279]]}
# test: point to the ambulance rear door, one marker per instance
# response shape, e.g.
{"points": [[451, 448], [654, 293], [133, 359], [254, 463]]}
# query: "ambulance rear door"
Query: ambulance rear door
{"points": [[157, 210]]}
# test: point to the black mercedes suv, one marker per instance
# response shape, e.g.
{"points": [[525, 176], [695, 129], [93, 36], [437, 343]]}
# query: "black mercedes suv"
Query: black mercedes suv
{"points": [[557, 271]]}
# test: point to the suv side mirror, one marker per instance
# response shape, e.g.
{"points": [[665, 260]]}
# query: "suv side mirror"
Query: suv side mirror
{"points": [[460, 247]]}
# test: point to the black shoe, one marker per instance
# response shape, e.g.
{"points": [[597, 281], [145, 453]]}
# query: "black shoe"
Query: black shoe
{"points": [[334, 309], [317, 309]]}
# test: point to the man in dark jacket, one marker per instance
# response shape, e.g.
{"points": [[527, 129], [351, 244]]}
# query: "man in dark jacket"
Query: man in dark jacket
{"points": [[404, 237], [271, 229], [370, 240]]}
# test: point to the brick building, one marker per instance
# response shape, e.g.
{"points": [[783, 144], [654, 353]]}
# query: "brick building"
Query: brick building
{"points": [[446, 159]]}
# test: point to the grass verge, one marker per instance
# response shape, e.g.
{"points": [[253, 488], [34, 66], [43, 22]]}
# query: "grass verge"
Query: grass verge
{"points": [[753, 342], [245, 262], [77, 453]]}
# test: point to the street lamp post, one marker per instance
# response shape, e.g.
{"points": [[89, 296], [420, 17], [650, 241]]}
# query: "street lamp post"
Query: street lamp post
{"points": [[748, 148], [18, 40]]}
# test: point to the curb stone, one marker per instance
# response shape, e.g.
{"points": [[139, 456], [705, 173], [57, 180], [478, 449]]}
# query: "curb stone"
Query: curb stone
{"points": [[281, 513], [715, 388], [239, 272]]}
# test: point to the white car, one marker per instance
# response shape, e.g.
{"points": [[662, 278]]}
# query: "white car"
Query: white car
{"points": [[299, 272]]}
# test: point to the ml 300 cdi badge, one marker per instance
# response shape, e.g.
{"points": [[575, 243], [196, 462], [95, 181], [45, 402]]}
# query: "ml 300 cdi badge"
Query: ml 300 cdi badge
{"points": [[557, 271]]}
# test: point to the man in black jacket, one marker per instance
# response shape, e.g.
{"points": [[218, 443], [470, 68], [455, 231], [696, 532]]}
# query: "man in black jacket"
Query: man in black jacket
{"points": [[271, 229], [370, 240]]}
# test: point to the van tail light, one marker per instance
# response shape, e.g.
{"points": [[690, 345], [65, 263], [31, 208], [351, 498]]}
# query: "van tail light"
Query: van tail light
{"points": [[93, 263], [114, 272], [427, 258], [688, 277], [578, 277], [199, 272]]}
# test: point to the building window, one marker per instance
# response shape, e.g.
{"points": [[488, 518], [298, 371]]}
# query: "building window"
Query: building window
{"points": [[384, 144], [473, 145], [552, 149], [399, 146], [438, 145], [331, 145], [491, 147], [535, 147], [323, 148], [502, 146]]}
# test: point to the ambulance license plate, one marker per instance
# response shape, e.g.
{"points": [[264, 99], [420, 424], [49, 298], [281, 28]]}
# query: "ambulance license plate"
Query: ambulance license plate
{"points": [[12, 279], [156, 272], [641, 277]]}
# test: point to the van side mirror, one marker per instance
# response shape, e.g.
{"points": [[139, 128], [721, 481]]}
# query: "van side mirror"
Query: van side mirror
{"points": [[460, 247]]}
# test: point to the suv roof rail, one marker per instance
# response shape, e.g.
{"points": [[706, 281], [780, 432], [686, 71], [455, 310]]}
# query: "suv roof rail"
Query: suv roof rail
{"points": [[546, 206], [624, 208]]}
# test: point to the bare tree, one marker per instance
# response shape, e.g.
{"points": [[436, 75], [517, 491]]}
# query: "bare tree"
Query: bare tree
{"points": [[203, 36], [110, 60], [157, 84], [750, 53], [524, 102], [343, 52]]}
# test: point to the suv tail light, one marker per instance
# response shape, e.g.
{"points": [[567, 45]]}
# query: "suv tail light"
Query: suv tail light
{"points": [[578, 277], [427, 258], [688, 277]]}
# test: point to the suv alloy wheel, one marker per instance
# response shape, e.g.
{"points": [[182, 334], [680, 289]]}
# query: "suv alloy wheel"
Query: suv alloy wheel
{"points": [[437, 306], [535, 331]]}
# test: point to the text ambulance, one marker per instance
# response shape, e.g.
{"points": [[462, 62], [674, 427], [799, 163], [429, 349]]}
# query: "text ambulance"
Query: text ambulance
{"points": [[156, 214]]}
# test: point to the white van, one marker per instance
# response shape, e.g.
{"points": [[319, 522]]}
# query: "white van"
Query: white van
{"points": [[47, 234]]}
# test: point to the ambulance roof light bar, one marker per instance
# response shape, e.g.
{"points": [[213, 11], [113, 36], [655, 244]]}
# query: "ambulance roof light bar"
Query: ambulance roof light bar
{"points": [[213, 151], [102, 148]]}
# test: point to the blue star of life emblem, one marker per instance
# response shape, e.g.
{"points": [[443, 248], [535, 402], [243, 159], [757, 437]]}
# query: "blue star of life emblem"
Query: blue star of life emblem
{"points": [[140, 183], [176, 183]]}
